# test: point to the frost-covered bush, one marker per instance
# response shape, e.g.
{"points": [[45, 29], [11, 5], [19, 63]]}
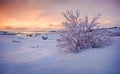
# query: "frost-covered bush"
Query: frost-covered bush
{"points": [[79, 34]]}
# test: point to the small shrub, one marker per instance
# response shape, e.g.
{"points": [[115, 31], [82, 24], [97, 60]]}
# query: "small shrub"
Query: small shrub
{"points": [[44, 38], [80, 34]]}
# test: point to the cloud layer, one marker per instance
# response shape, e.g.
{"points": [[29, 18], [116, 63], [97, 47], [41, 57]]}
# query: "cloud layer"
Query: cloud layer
{"points": [[43, 13]]}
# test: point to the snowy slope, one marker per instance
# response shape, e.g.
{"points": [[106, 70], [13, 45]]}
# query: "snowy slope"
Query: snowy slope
{"points": [[33, 55], [115, 31]]}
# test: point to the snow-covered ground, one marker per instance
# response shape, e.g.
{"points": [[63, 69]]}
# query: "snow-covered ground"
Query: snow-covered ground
{"points": [[33, 55]]}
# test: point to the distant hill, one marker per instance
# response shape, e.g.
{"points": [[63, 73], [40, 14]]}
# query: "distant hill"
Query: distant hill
{"points": [[114, 31]]}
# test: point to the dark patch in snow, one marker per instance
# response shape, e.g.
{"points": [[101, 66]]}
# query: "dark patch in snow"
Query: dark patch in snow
{"points": [[35, 46], [44, 37], [16, 41]]}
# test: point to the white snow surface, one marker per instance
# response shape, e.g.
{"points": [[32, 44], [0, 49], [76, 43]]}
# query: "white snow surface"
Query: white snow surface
{"points": [[33, 55]]}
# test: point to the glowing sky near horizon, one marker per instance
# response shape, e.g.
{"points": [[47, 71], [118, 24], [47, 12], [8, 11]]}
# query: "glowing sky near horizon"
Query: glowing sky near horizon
{"points": [[46, 14]]}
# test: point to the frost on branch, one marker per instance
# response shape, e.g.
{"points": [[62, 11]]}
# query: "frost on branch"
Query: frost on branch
{"points": [[80, 34]]}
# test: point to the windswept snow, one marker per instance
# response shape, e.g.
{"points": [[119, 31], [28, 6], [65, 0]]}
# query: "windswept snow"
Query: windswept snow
{"points": [[33, 55]]}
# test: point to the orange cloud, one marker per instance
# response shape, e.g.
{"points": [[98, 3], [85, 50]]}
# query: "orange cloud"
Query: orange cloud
{"points": [[105, 21]]}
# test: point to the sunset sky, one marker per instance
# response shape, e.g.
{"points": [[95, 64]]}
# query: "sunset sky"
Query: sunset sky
{"points": [[36, 15]]}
